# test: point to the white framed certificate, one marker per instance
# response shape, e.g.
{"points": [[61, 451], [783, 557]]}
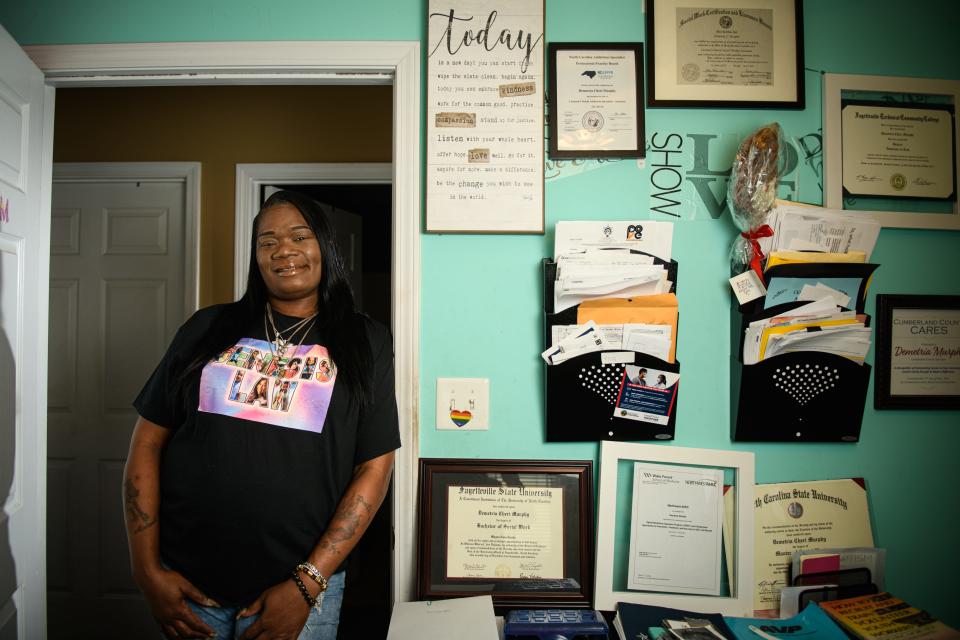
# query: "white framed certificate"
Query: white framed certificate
{"points": [[596, 92], [676, 529]]}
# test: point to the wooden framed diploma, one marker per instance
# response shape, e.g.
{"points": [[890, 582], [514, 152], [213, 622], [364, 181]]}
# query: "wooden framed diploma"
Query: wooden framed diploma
{"points": [[725, 53], [893, 150], [513, 529], [596, 98], [918, 352]]}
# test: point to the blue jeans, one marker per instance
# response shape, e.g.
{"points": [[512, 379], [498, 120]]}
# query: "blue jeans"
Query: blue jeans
{"points": [[319, 626]]}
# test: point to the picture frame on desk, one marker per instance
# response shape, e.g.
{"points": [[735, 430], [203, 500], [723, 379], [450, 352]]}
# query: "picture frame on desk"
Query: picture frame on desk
{"points": [[690, 63], [596, 100], [517, 530], [918, 352]]}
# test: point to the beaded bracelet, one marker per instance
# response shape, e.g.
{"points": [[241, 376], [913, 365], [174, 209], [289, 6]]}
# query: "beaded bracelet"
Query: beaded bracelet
{"points": [[314, 574], [311, 601]]}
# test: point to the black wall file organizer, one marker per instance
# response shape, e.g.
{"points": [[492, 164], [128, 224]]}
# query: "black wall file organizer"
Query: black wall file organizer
{"points": [[581, 393], [806, 396]]}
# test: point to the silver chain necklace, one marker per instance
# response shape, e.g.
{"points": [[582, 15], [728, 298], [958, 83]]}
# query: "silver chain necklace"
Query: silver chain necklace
{"points": [[279, 343]]}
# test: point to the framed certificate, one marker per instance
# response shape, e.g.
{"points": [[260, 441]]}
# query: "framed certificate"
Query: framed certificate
{"points": [[889, 149], [725, 53], [918, 352], [898, 150], [675, 528], [596, 93], [517, 530]]}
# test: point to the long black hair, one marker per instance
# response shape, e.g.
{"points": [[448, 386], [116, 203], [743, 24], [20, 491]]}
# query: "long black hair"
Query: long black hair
{"points": [[343, 328]]}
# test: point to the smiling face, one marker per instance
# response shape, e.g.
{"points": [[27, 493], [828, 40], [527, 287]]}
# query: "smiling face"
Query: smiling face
{"points": [[289, 258]]}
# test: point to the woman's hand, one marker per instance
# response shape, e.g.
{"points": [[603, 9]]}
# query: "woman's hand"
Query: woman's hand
{"points": [[283, 612], [166, 592]]}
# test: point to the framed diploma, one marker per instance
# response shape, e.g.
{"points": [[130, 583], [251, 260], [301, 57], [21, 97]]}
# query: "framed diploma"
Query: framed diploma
{"points": [[918, 352], [675, 528], [898, 150], [890, 149], [725, 53], [517, 530], [595, 100]]}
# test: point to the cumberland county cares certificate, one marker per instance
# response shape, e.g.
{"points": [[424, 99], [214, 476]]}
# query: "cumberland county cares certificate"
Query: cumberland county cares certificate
{"points": [[505, 532], [676, 529], [791, 516], [925, 352]]}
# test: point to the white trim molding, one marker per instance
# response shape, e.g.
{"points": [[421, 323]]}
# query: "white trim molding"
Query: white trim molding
{"points": [[252, 177], [186, 172], [396, 63]]}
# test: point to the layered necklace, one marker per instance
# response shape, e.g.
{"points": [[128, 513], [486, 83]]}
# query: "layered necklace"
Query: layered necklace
{"points": [[282, 340]]}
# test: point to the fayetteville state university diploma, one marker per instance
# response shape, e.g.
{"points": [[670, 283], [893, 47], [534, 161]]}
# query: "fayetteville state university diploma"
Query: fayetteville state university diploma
{"points": [[505, 532]]}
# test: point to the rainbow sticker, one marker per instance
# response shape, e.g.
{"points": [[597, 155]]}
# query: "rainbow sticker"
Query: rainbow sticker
{"points": [[460, 418]]}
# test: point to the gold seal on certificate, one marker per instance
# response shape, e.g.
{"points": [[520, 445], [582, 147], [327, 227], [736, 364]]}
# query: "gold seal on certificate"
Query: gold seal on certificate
{"points": [[791, 516], [897, 151], [504, 532]]}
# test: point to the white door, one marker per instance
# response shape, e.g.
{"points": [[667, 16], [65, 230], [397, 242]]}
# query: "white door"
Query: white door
{"points": [[116, 299], [24, 247]]}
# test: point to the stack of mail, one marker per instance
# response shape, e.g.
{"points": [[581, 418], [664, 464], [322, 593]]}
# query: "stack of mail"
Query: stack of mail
{"points": [[805, 228], [610, 259], [818, 326], [598, 261]]}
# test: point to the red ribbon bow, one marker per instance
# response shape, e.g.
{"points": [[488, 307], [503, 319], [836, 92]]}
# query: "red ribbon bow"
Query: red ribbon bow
{"points": [[763, 231]]}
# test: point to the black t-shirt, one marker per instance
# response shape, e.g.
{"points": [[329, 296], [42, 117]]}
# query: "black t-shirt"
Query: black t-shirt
{"points": [[253, 473]]}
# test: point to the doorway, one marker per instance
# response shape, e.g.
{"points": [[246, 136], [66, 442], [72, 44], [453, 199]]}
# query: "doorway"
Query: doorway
{"points": [[81, 104]]}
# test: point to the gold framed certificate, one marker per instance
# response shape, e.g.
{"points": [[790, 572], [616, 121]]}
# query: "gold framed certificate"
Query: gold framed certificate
{"points": [[918, 352], [516, 530]]}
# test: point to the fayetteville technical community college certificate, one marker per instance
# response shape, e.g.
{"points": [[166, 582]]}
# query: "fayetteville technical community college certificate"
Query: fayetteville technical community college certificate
{"points": [[504, 532], [676, 529], [790, 516]]}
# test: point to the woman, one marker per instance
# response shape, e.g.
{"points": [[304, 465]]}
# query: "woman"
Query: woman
{"points": [[238, 515]]}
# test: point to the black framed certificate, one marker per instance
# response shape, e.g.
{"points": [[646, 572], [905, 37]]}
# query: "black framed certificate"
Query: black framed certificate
{"points": [[896, 150], [518, 530], [918, 352], [596, 97], [725, 53]]}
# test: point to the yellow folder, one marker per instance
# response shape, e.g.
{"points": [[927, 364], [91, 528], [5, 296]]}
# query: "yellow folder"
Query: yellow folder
{"points": [[797, 257]]}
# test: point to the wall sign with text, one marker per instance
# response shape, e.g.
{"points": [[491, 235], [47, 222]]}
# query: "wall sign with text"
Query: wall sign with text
{"points": [[485, 116]]}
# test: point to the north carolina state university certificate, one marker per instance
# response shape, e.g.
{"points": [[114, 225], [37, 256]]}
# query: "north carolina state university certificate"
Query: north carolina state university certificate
{"points": [[790, 516]]}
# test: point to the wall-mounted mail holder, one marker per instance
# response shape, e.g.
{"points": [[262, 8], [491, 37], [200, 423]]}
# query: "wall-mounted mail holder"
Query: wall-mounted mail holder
{"points": [[613, 394], [802, 396]]}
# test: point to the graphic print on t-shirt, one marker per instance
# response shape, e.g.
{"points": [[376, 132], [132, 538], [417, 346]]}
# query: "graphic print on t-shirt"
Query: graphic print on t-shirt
{"points": [[247, 381]]}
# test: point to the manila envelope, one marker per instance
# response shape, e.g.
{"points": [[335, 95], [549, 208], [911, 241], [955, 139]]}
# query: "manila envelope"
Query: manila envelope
{"points": [[656, 309]]}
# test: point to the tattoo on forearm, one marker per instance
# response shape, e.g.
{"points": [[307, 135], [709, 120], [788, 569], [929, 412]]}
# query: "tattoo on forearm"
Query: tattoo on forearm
{"points": [[139, 519], [346, 522]]}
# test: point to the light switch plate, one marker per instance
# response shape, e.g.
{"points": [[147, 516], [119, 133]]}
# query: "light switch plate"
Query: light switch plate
{"points": [[463, 404]]}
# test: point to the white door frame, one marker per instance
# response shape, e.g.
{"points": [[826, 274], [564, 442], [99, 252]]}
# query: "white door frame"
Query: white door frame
{"points": [[187, 173], [396, 63], [251, 177]]}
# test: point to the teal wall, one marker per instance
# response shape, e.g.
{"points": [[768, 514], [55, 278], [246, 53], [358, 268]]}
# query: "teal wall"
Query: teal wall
{"points": [[481, 314]]}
